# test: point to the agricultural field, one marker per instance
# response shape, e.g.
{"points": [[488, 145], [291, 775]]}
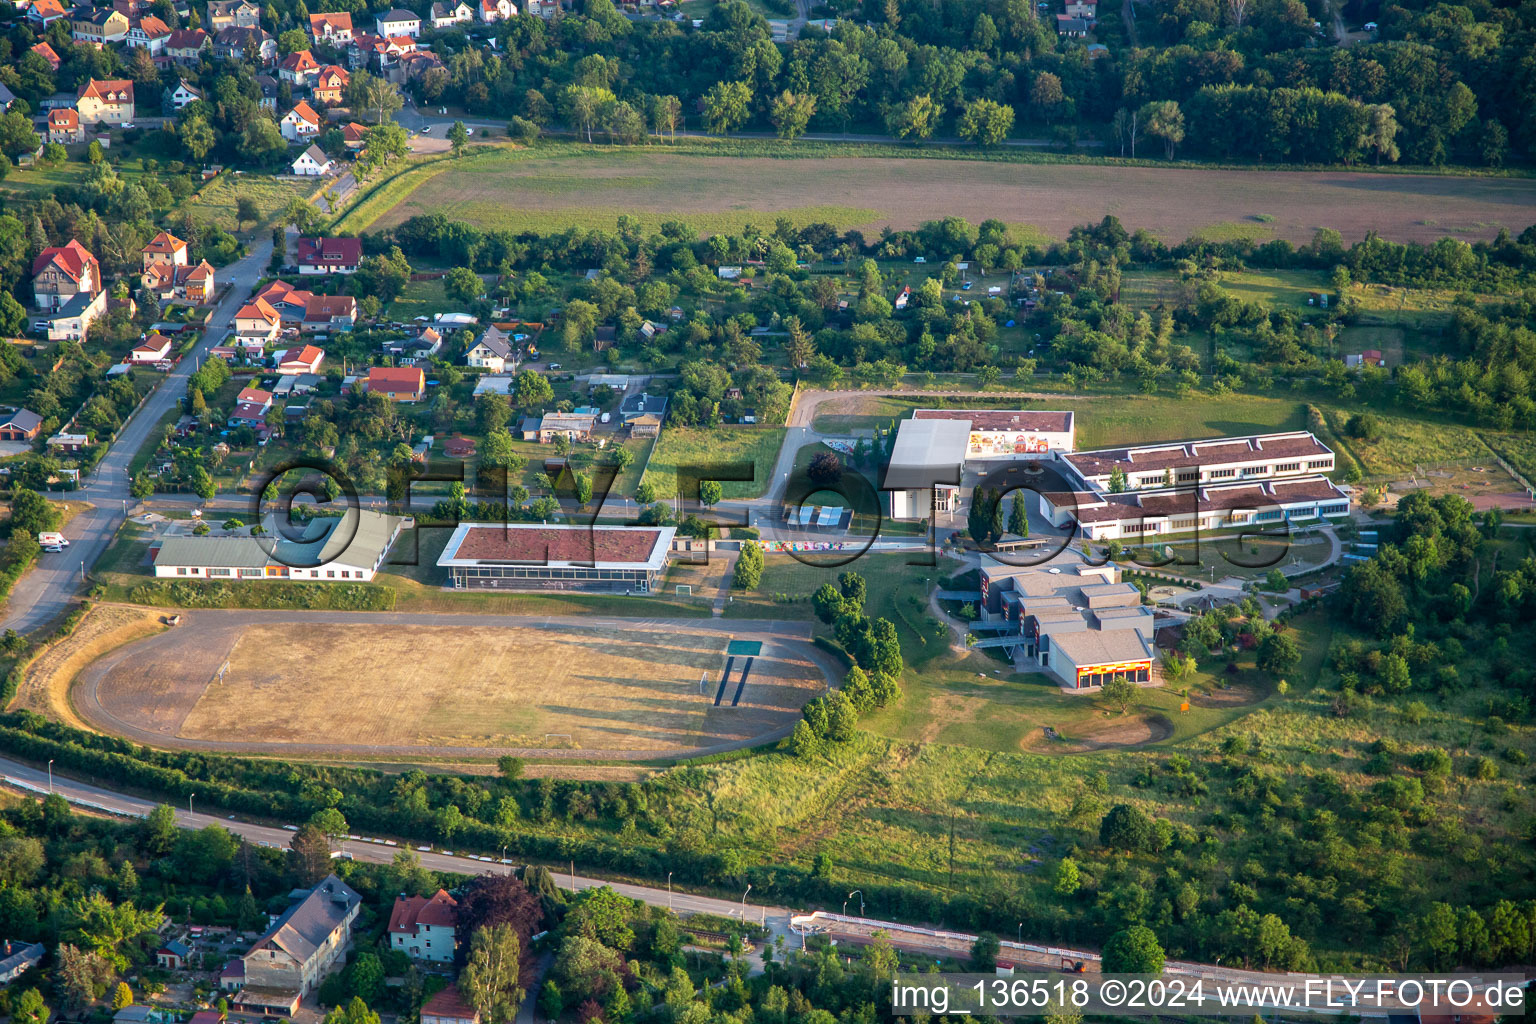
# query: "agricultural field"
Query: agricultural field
{"points": [[480, 689], [570, 185], [686, 446]]}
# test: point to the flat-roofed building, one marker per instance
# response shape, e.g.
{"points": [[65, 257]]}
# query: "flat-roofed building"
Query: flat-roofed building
{"points": [[1140, 515], [1215, 461], [346, 548], [532, 556], [923, 475], [1009, 433]]}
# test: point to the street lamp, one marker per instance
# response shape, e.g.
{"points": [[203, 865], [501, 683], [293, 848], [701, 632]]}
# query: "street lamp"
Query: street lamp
{"points": [[744, 902], [1021, 933], [860, 894], [50, 776], [669, 890], [189, 803]]}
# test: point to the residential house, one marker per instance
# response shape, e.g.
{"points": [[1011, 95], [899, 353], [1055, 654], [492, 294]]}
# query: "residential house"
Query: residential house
{"points": [[224, 14], [331, 85], [447, 15], [312, 163], [69, 443], [287, 300], [288, 962], [324, 313], [180, 95], [16, 958], [361, 49], [165, 249], [298, 68], [635, 406], [353, 134], [300, 123], [194, 284], [492, 11], [422, 927], [256, 324], [153, 349], [151, 34], [528, 429], [43, 13], [64, 126], [296, 361], [97, 26], [415, 64], [269, 87], [492, 352], [61, 272], [334, 28], [397, 383], [187, 45], [20, 425], [173, 956], [48, 54], [1088, 10], [1070, 27], [448, 1007], [239, 41], [251, 408], [398, 22], [71, 321], [570, 425], [105, 101], [329, 255]]}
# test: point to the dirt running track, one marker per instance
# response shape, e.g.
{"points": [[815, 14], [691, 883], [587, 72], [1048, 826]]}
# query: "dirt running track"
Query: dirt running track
{"points": [[159, 690]]}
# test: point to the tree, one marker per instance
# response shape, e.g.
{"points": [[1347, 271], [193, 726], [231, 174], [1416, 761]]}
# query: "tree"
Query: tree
{"points": [[583, 104], [203, 485], [1018, 518], [463, 284], [1164, 120], [369, 94], [1126, 828], [917, 119], [791, 112], [31, 513], [94, 922], [985, 122], [1134, 950], [16, 135], [489, 979], [1116, 480], [331, 822], [984, 953], [533, 390], [83, 977], [1046, 96], [123, 995], [1120, 692], [458, 135], [490, 900], [246, 211], [1067, 880], [804, 742], [727, 106], [1380, 139], [29, 1008], [1278, 653], [511, 768], [157, 831], [825, 469], [710, 492], [749, 566], [310, 854]]}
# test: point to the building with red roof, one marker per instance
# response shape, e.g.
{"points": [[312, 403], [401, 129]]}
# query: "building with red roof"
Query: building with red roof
{"points": [[329, 255], [397, 383], [422, 927], [61, 272], [534, 556]]}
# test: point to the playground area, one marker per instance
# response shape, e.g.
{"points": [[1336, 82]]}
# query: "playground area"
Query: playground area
{"points": [[1485, 482], [461, 690]]}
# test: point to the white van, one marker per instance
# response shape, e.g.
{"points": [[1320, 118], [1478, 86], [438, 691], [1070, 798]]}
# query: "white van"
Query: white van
{"points": [[52, 540]]}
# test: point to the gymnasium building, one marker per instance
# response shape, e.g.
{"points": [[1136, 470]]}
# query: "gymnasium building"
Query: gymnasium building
{"points": [[532, 556]]}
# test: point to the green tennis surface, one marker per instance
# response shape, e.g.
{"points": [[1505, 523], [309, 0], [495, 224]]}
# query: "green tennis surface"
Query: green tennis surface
{"points": [[744, 648]]}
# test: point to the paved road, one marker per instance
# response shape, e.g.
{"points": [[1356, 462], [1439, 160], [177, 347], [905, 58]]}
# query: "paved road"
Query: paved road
{"points": [[781, 921], [47, 589]]}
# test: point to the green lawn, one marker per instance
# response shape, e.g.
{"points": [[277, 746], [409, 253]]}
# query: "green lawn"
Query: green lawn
{"points": [[421, 298], [680, 447], [1406, 442], [216, 200]]}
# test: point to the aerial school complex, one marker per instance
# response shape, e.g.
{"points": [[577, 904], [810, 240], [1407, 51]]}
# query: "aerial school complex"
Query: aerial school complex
{"points": [[1085, 626]]}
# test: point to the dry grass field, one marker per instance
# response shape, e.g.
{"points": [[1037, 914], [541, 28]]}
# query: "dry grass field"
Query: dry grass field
{"points": [[45, 685], [590, 188], [450, 690]]}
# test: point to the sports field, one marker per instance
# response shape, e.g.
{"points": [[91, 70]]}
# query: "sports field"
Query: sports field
{"points": [[578, 186], [392, 689]]}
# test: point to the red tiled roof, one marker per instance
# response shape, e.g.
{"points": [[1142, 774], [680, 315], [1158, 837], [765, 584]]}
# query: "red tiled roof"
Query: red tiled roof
{"points": [[64, 117], [337, 20], [108, 90], [258, 307], [1189, 454], [323, 307], [602, 544], [48, 54], [306, 355], [187, 39], [72, 258], [341, 252], [411, 912], [166, 244], [450, 1004], [253, 396], [153, 27], [395, 378]]}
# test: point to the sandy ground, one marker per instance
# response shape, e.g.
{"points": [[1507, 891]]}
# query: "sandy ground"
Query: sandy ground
{"points": [[427, 687], [1103, 733], [45, 686]]}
